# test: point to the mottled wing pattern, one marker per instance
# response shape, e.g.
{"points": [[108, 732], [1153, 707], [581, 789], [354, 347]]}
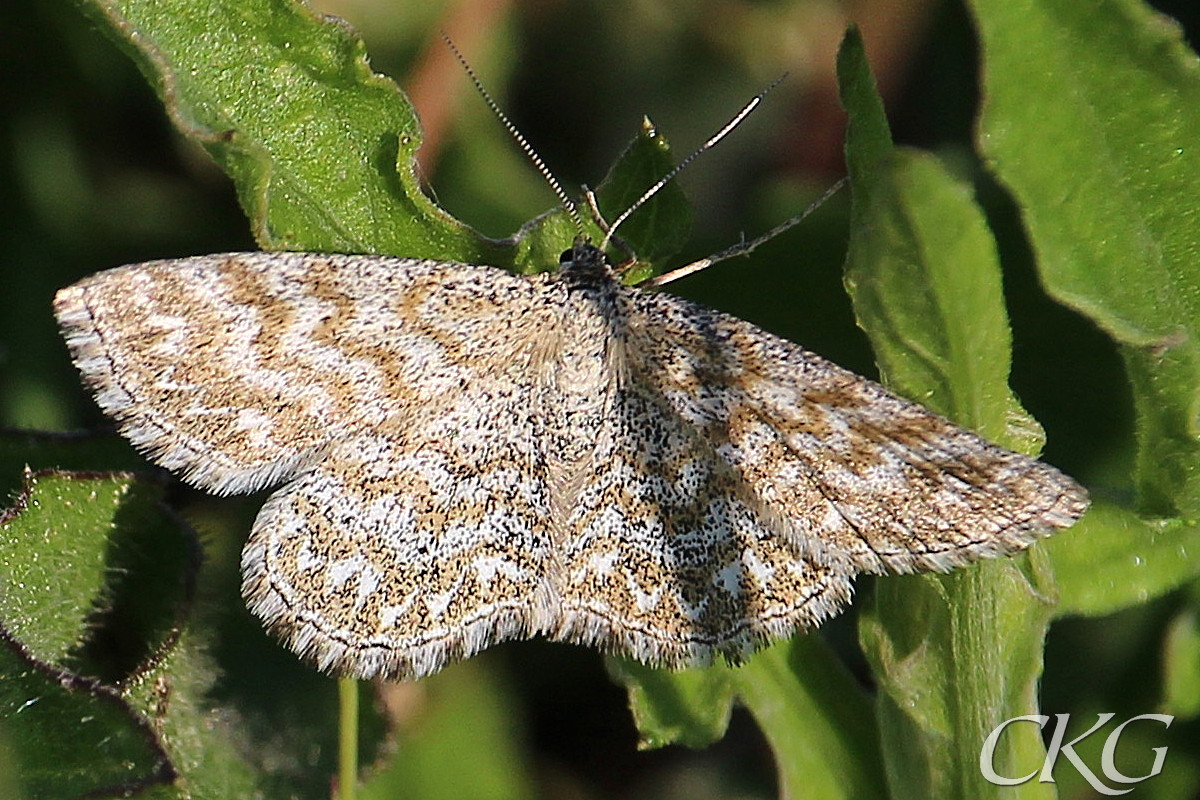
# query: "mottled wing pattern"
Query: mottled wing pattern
{"points": [[403, 551], [393, 394], [858, 477], [668, 560], [236, 370]]}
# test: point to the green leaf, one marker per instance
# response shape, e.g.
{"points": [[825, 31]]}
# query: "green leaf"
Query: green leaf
{"points": [[68, 736], [661, 226], [1090, 117], [954, 655], [925, 280], [688, 707], [655, 231], [924, 276], [101, 692], [1113, 559], [81, 553], [319, 146], [55, 540], [812, 711], [818, 720], [205, 740]]}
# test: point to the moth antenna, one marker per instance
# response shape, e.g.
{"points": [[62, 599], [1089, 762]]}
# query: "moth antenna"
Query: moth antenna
{"points": [[567, 204], [743, 248], [593, 205], [708, 145]]}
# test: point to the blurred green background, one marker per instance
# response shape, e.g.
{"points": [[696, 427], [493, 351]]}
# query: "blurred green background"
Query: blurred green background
{"points": [[92, 175]]}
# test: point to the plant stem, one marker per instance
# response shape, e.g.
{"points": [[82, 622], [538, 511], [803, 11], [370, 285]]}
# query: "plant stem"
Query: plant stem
{"points": [[347, 738]]}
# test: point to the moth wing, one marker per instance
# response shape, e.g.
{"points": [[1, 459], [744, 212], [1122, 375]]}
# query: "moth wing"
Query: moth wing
{"points": [[852, 473], [237, 370]]}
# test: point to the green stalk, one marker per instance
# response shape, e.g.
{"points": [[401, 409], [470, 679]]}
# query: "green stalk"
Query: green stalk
{"points": [[347, 738]]}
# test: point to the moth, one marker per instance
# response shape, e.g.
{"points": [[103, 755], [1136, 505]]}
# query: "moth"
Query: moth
{"points": [[464, 455]]}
